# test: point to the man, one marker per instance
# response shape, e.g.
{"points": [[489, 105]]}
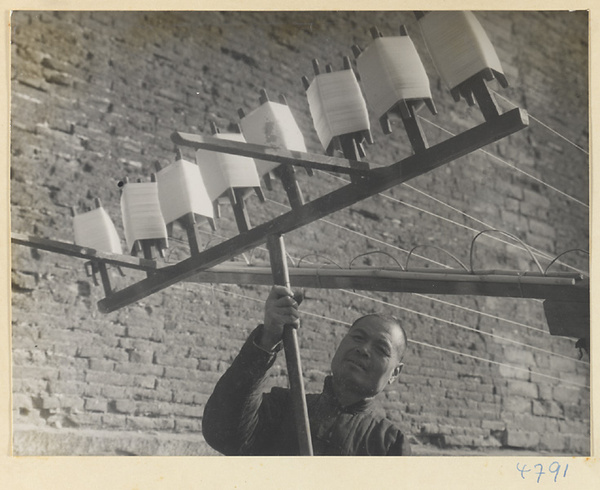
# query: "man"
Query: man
{"points": [[240, 420]]}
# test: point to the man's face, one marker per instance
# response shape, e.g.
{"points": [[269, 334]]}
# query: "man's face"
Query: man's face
{"points": [[368, 357]]}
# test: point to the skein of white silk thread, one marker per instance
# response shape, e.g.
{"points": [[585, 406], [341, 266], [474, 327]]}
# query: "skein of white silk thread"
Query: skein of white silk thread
{"points": [[95, 229], [181, 190], [391, 71], [272, 124], [337, 105], [221, 171], [142, 216], [458, 45]]}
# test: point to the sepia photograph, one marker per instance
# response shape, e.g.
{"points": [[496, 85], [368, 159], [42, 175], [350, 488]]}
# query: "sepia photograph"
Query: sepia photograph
{"points": [[295, 233]]}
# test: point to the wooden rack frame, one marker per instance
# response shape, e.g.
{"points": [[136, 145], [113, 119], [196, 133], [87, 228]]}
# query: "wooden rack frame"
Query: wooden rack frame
{"points": [[366, 184], [373, 182]]}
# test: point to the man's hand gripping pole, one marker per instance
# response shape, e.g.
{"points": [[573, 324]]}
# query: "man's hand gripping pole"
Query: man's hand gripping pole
{"points": [[279, 269]]}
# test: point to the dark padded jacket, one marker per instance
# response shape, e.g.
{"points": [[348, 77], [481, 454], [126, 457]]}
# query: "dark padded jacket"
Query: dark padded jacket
{"points": [[239, 419]]}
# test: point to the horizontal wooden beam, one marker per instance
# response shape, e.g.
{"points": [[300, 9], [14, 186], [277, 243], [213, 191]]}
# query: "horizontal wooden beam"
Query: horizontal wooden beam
{"points": [[379, 180], [73, 250], [281, 156], [512, 285]]}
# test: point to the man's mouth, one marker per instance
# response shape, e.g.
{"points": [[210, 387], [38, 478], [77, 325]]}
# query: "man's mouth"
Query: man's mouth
{"points": [[357, 364]]}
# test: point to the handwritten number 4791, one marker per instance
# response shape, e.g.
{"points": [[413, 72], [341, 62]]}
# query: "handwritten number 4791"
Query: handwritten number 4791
{"points": [[553, 468]]}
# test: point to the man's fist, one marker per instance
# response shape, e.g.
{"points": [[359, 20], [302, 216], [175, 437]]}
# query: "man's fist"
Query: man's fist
{"points": [[281, 308]]}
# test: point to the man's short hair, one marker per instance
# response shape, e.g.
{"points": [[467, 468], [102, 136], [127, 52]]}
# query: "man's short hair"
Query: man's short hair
{"points": [[388, 319]]}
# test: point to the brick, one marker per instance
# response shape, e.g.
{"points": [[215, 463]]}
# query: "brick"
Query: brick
{"points": [[125, 406], [521, 439], [135, 368], [50, 402], [546, 408], [522, 388], [188, 425], [554, 442], [517, 404], [541, 228], [566, 394], [101, 365], [96, 405], [148, 424]]}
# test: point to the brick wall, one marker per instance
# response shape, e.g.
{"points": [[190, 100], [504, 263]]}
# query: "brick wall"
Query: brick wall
{"points": [[95, 97]]}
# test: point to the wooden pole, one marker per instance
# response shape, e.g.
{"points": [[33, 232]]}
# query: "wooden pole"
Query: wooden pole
{"points": [[279, 270]]}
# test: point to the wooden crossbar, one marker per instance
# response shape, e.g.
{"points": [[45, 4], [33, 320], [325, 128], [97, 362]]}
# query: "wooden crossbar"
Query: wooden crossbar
{"points": [[282, 156], [515, 285], [73, 250], [558, 286], [378, 180]]}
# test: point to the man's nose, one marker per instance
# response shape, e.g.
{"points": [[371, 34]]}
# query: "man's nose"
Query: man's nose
{"points": [[363, 350]]}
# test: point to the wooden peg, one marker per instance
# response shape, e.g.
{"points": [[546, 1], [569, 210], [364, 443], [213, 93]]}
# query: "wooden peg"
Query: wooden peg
{"points": [[90, 271], [315, 65], [346, 63], [419, 14], [236, 197], [361, 150], [102, 269], [178, 155], [263, 98], [286, 174], [403, 31], [188, 222], [212, 223], [214, 129], [241, 113], [485, 99], [268, 180], [430, 105], [97, 202], [305, 83], [158, 165], [375, 32], [414, 130], [386, 126], [282, 99], [328, 68], [217, 209], [73, 211], [349, 146], [356, 50], [259, 193]]}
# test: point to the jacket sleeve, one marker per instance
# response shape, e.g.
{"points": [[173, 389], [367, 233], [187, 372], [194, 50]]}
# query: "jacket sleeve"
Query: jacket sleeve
{"points": [[238, 418], [400, 447]]}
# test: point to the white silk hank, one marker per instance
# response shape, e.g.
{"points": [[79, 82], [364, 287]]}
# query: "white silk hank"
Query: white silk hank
{"points": [[390, 71], [142, 217], [458, 45], [94, 229], [336, 105], [220, 171], [181, 190], [272, 124]]}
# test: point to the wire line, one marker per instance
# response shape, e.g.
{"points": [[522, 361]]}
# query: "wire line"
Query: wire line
{"points": [[518, 368], [514, 167], [459, 325], [545, 125]]}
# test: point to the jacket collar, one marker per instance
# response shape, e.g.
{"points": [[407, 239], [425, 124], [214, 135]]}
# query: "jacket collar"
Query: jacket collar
{"points": [[360, 406]]}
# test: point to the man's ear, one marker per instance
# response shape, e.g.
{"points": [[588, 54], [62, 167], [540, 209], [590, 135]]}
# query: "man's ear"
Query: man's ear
{"points": [[395, 373]]}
